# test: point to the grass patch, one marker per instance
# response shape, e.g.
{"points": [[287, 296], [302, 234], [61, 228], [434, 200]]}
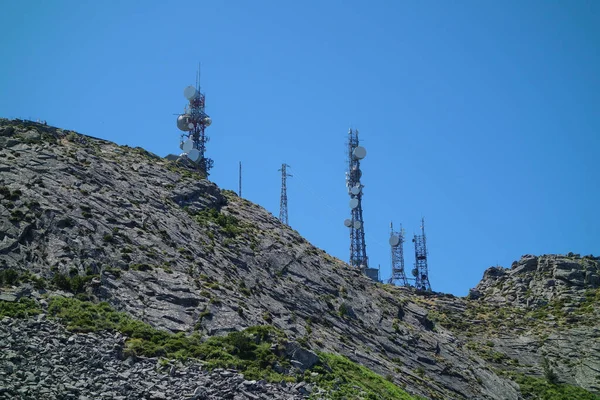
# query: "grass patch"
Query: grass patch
{"points": [[228, 224], [23, 308], [248, 351], [344, 379], [539, 389]]}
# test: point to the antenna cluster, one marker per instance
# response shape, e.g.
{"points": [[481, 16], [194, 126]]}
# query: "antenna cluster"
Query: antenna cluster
{"points": [[358, 248], [193, 122], [397, 244]]}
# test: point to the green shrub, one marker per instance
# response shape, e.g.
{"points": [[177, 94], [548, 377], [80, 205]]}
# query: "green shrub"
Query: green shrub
{"points": [[141, 267], [23, 308], [344, 379], [539, 388], [9, 277]]}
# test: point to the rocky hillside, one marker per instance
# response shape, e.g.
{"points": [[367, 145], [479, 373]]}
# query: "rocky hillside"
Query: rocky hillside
{"points": [[188, 265]]}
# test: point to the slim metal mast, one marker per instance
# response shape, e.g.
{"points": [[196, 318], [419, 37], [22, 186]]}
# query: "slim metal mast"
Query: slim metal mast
{"points": [[420, 271], [240, 185], [283, 205]]}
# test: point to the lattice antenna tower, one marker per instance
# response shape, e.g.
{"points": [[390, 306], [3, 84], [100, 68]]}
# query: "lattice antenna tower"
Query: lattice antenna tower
{"points": [[420, 272], [397, 244], [283, 204], [358, 250], [193, 123]]}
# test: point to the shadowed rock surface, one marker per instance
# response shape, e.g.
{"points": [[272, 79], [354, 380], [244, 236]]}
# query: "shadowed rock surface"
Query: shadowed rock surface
{"points": [[175, 251]]}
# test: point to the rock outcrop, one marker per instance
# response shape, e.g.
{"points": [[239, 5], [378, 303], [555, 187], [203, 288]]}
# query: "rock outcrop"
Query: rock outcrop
{"points": [[170, 248]]}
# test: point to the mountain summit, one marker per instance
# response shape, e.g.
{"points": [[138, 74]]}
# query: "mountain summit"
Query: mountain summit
{"points": [[126, 275]]}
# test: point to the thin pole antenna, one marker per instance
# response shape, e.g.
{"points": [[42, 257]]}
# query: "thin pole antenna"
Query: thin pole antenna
{"points": [[240, 187]]}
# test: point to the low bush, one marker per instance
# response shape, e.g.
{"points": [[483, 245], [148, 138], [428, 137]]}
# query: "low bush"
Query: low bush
{"points": [[19, 309], [344, 379]]}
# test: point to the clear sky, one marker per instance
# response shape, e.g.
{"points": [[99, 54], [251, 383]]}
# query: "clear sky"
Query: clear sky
{"points": [[482, 116]]}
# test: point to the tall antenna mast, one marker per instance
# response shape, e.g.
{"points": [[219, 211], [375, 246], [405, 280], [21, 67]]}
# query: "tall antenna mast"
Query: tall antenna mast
{"points": [[358, 251], [397, 245], [283, 206], [193, 122], [240, 186], [420, 271]]}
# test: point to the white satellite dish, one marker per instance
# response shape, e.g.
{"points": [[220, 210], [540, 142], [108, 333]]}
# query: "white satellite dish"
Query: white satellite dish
{"points": [[353, 203], [188, 145], [193, 155], [191, 125], [182, 122], [359, 152], [355, 190], [189, 92], [394, 240], [348, 223], [207, 121], [357, 224]]}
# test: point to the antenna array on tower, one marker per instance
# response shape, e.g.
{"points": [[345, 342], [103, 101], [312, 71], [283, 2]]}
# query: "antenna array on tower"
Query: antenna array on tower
{"points": [[283, 206], [358, 249], [397, 245], [193, 122]]}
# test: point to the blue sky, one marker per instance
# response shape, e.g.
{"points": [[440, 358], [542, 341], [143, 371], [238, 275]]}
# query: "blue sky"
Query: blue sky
{"points": [[482, 116]]}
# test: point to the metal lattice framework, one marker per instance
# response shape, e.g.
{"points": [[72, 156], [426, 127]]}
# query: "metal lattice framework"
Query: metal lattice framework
{"points": [[194, 121], [420, 272], [283, 203], [358, 249], [397, 245]]}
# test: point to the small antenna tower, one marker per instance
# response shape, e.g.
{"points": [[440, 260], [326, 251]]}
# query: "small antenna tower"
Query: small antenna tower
{"points": [[397, 244], [420, 271], [358, 251], [283, 205], [193, 122], [240, 186]]}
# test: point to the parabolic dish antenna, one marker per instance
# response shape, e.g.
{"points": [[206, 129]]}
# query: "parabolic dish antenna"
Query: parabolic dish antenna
{"points": [[394, 240], [357, 224], [189, 92], [193, 155], [353, 203], [355, 190], [359, 152], [188, 145], [207, 121], [182, 122], [191, 126], [348, 223]]}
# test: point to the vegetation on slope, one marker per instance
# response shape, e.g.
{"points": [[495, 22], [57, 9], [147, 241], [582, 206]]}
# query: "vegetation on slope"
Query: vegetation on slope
{"points": [[344, 379], [540, 389], [254, 352]]}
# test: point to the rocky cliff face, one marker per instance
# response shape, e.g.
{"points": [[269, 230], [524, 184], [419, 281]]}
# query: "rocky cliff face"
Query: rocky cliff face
{"points": [[171, 249]]}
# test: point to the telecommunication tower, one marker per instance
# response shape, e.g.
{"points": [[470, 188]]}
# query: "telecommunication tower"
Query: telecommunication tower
{"points": [[358, 250], [193, 122], [397, 245], [283, 206], [420, 271]]}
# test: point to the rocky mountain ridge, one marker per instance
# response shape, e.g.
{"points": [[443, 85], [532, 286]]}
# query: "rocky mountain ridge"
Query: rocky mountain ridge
{"points": [[155, 240]]}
